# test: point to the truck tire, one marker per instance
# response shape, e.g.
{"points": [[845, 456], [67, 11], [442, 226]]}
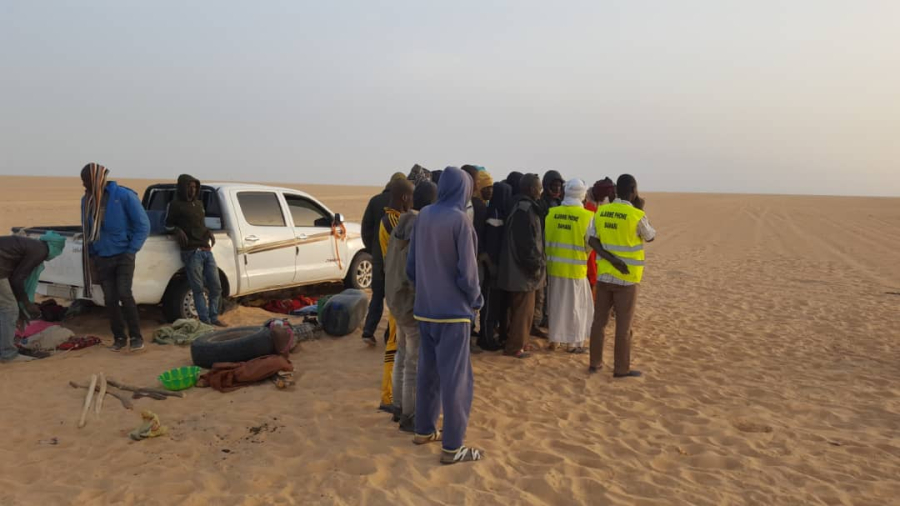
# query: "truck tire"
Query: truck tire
{"points": [[178, 302], [359, 276], [232, 345]]}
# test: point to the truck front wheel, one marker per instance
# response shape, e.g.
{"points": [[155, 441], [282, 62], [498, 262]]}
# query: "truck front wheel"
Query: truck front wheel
{"points": [[360, 274]]}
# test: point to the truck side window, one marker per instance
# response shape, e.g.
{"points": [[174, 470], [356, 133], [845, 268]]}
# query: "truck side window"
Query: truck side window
{"points": [[261, 209], [305, 213]]}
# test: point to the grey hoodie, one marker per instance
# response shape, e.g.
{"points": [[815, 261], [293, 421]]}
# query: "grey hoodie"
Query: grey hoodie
{"points": [[399, 292]]}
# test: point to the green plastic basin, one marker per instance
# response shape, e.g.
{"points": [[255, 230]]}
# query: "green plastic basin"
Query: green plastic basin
{"points": [[180, 378]]}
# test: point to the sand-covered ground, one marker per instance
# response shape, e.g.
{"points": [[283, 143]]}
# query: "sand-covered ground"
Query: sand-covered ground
{"points": [[767, 329]]}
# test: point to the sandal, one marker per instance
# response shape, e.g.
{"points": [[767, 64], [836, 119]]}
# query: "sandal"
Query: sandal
{"points": [[464, 454], [428, 438], [522, 354], [578, 351]]}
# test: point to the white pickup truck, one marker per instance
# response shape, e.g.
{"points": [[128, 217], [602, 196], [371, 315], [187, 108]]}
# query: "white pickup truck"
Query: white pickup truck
{"points": [[266, 239]]}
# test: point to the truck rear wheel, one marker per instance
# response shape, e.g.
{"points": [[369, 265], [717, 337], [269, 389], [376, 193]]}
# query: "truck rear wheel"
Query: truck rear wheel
{"points": [[178, 302], [360, 274]]}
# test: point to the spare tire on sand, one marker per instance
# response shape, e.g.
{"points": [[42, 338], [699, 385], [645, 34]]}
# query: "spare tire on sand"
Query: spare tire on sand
{"points": [[232, 345]]}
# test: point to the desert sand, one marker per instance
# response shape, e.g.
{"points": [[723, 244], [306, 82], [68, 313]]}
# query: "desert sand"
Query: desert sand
{"points": [[767, 330]]}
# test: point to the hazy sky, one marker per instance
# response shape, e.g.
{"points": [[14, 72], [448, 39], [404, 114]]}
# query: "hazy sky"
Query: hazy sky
{"points": [[784, 96]]}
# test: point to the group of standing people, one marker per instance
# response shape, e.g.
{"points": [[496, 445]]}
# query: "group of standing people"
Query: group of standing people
{"points": [[455, 248]]}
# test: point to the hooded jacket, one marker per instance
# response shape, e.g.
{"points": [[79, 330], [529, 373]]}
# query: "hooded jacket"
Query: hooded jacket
{"points": [[513, 180], [547, 201], [399, 292], [522, 261], [188, 215], [371, 224], [125, 225], [441, 261], [372, 218]]}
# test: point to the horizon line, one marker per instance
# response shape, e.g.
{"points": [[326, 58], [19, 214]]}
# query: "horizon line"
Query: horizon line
{"points": [[695, 192]]}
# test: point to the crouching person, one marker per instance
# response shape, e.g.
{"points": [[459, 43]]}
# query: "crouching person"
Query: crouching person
{"points": [[21, 263], [186, 218], [400, 294]]}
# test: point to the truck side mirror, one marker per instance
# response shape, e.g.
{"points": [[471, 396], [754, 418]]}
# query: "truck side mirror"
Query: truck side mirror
{"points": [[338, 219]]}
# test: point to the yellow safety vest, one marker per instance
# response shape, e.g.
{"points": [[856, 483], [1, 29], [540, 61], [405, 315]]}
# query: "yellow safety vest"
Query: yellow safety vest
{"points": [[565, 229], [616, 227]]}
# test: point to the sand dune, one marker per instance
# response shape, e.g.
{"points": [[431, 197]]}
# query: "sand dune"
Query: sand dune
{"points": [[765, 329]]}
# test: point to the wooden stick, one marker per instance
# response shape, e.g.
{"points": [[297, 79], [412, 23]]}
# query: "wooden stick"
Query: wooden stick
{"points": [[87, 401], [102, 394], [156, 391], [126, 402], [143, 393]]}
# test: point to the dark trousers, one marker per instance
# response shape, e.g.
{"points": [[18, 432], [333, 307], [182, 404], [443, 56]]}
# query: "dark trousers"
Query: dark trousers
{"points": [[376, 305], [116, 275], [521, 311], [497, 316], [444, 379], [483, 312], [624, 300]]}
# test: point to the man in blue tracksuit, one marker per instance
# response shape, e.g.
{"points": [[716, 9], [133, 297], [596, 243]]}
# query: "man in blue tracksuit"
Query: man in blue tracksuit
{"points": [[115, 227], [442, 264]]}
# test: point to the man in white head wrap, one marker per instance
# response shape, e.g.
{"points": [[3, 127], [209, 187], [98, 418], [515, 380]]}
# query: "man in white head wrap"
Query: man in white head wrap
{"points": [[569, 302]]}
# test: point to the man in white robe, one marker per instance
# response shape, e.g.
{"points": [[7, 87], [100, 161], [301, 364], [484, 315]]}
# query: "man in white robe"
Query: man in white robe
{"points": [[570, 303]]}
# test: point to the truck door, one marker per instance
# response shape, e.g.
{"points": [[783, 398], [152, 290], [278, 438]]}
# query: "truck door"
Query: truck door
{"points": [[316, 257], [266, 244]]}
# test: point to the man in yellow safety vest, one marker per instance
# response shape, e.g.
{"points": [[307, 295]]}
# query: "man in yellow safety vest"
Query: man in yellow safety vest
{"points": [[618, 234], [570, 306]]}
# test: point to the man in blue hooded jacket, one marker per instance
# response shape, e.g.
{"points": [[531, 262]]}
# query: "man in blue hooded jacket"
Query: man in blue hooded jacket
{"points": [[442, 264], [115, 227]]}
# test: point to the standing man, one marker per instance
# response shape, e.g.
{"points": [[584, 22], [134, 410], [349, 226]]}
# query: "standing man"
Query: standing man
{"points": [[400, 295], [522, 263], [496, 312], [21, 262], [551, 197], [115, 227], [186, 218], [570, 307], [369, 231], [618, 234], [441, 263], [401, 200]]}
